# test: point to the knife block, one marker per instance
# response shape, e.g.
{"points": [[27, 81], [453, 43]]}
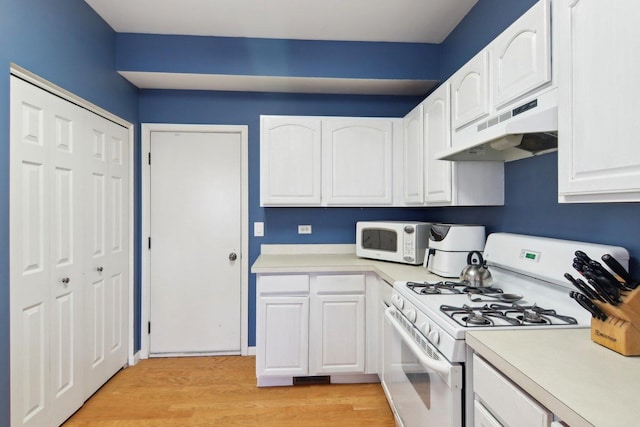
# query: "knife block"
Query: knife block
{"points": [[621, 331], [628, 309], [618, 335]]}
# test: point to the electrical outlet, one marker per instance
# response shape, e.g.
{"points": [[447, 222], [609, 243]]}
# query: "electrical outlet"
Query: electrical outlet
{"points": [[304, 229], [258, 229]]}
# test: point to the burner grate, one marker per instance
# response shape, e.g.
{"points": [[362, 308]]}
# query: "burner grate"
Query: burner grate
{"points": [[505, 315]]}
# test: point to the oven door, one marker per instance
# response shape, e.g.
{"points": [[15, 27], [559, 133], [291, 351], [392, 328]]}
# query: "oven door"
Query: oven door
{"points": [[422, 386]]}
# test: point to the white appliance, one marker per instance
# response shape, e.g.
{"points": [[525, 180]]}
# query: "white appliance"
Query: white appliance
{"points": [[427, 369], [396, 241], [512, 133], [449, 245]]}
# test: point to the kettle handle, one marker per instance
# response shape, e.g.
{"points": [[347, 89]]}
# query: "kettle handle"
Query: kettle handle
{"points": [[470, 258]]}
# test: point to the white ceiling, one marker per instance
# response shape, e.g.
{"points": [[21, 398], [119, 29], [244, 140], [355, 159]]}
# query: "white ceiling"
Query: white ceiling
{"points": [[421, 21]]}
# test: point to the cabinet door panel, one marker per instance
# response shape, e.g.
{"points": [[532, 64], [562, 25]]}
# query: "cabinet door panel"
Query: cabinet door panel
{"points": [[413, 158], [290, 164], [357, 161], [469, 95], [282, 336], [598, 158], [337, 333], [520, 56], [438, 173]]}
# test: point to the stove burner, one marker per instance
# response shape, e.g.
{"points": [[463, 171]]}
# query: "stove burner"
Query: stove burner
{"points": [[426, 288], [505, 315], [449, 287], [477, 319], [531, 316]]}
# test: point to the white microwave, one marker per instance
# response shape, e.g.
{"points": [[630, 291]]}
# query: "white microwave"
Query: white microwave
{"points": [[396, 241]]}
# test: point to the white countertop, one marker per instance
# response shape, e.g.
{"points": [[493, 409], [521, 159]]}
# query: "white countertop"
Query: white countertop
{"points": [[276, 259], [580, 381]]}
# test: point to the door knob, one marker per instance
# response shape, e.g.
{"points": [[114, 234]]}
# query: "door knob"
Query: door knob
{"points": [[233, 256], [100, 269]]}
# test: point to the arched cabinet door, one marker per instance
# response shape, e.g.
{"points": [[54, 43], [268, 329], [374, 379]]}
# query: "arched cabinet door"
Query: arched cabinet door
{"points": [[521, 56], [469, 91]]}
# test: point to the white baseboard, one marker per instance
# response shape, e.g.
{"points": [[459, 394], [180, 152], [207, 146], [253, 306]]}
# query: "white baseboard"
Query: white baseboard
{"points": [[251, 351]]}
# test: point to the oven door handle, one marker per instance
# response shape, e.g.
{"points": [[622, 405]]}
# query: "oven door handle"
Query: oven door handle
{"points": [[451, 374]]}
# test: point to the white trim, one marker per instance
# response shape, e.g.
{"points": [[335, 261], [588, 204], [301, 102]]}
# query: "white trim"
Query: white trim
{"points": [[147, 128], [38, 81], [252, 351], [60, 92]]}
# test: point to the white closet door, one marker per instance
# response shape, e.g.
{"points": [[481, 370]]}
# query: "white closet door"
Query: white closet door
{"points": [[53, 301], [29, 263], [46, 284], [66, 169], [107, 251]]}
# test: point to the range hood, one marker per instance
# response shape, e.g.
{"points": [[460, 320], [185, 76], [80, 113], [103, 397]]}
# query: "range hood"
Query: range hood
{"points": [[531, 128]]}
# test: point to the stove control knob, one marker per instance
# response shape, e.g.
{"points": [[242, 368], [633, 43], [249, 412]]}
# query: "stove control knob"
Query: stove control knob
{"points": [[426, 327], [434, 336], [411, 315], [398, 302]]}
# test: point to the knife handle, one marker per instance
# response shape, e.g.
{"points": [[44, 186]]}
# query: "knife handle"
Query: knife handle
{"points": [[582, 287], [615, 266]]}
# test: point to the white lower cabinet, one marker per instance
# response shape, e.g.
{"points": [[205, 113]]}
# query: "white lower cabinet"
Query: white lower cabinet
{"points": [[311, 325], [499, 402], [337, 324]]}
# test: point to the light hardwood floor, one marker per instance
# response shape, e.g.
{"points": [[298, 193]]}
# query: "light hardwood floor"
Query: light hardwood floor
{"points": [[221, 391]]}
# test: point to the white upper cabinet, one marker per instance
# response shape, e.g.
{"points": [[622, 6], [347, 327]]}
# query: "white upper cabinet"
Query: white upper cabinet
{"points": [[520, 56], [469, 91], [599, 100], [357, 161], [324, 161], [437, 136], [413, 157], [290, 160], [444, 183]]}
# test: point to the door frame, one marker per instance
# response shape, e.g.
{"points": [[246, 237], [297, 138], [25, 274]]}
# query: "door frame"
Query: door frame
{"points": [[36, 80], [146, 129]]}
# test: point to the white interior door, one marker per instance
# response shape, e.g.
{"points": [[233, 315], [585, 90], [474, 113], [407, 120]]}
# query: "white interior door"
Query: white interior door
{"points": [[195, 292]]}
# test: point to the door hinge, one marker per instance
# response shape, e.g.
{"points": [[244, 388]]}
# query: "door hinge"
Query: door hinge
{"points": [[149, 327], [149, 242], [149, 157]]}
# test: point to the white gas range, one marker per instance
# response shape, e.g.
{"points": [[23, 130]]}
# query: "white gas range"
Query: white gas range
{"points": [[427, 364]]}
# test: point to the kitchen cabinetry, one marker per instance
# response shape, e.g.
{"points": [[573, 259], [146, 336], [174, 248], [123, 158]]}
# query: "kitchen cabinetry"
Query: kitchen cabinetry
{"points": [[326, 161], [308, 325], [357, 161], [598, 155], [282, 329], [290, 160], [337, 324], [438, 177], [469, 91], [413, 156], [499, 78], [445, 183], [520, 56], [499, 402]]}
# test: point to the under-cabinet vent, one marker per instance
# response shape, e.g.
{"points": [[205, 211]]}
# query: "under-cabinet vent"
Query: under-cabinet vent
{"points": [[319, 379]]}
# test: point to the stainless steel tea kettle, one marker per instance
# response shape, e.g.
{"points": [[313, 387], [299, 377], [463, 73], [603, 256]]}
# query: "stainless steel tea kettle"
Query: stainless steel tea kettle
{"points": [[476, 274]]}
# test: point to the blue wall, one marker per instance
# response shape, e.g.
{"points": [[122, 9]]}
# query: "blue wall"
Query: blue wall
{"points": [[68, 44], [274, 57]]}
